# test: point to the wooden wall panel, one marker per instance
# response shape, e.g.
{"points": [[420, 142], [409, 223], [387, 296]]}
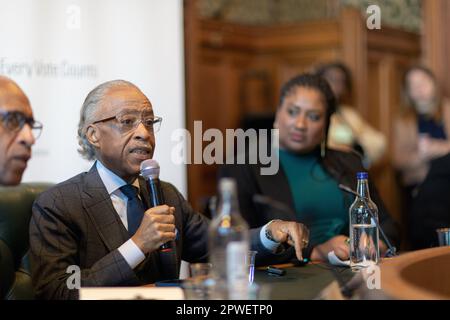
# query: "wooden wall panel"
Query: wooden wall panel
{"points": [[239, 69], [354, 54], [436, 40], [384, 82]]}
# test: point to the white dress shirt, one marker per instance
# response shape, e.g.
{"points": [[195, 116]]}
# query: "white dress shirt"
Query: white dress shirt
{"points": [[129, 250]]}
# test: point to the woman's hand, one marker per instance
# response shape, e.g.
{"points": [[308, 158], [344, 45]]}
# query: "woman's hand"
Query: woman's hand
{"points": [[430, 148], [338, 244]]}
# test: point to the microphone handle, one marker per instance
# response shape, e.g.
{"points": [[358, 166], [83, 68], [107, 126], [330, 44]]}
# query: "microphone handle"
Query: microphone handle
{"points": [[156, 199]]}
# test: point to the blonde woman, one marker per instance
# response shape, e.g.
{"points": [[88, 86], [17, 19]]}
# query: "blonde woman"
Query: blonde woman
{"points": [[421, 154], [348, 129]]}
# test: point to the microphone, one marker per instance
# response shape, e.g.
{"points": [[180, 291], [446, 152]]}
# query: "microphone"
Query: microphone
{"points": [[280, 206], [150, 172], [392, 251]]}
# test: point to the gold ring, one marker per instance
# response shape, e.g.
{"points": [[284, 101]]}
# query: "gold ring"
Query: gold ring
{"points": [[305, 242]]}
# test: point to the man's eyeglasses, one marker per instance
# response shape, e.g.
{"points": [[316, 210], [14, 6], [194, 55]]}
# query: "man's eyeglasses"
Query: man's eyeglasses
{"points": [[128, 121], [15, 120]]}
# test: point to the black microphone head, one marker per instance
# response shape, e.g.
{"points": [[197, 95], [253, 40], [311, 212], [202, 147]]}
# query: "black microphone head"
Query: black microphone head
{"points": [[150, 169]]}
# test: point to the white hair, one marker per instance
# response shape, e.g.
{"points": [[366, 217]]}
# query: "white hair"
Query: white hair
{"points": [[90, 106]]}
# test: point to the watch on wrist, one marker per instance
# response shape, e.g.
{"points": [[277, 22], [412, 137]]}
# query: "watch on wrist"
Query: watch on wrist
{"points": [[268, 233]]}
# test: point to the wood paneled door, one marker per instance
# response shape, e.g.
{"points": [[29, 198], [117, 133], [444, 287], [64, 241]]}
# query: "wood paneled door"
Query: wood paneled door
{"points": [[233, 71]]}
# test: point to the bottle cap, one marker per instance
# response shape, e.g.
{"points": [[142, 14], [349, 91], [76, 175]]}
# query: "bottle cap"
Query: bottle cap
{"points": [[362, 175]]}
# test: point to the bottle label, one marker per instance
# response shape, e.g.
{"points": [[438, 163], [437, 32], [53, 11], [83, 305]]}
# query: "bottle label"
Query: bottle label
{"points": [[237, 269]]}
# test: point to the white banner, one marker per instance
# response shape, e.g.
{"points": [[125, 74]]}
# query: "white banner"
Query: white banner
{"points": [[58, 50]]}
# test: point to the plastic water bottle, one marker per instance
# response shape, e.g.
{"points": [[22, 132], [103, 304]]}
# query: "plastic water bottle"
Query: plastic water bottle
{"points": [[229, 244], [364, 239]]}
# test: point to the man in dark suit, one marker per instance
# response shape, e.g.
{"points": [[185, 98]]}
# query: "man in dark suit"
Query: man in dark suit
{"points": [[18, 133], [93, 220]]}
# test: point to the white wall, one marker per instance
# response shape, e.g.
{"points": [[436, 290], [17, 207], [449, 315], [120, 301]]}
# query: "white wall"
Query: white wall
{"points": [[136, 40]]}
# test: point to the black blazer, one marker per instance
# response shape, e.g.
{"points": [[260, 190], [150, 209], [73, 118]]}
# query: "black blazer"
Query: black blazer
{"points": [[343, 167], [430, 207], [74, 223]]}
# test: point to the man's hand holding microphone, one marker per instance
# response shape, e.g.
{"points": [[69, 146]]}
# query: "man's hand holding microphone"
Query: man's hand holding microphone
{"points": [[157, 228]]}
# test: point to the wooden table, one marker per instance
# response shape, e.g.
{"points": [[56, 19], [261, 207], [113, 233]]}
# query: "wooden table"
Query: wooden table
{"points": [[422, 274], [305, 282]]}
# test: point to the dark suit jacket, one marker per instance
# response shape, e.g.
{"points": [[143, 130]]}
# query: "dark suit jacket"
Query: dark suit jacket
{"points": [[430, 208], [74, 223], [343, 167]]}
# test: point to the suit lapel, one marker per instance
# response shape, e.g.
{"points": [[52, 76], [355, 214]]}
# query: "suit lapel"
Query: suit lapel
{"points": [[169, 269], [277, 188], [98, 205]]}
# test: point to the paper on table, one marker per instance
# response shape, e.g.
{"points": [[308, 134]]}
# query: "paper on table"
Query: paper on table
{"points": [[131, 293], [334, 260]]}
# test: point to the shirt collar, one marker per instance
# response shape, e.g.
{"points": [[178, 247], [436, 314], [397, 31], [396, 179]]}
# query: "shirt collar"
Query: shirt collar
{"points": [[111, 180]]}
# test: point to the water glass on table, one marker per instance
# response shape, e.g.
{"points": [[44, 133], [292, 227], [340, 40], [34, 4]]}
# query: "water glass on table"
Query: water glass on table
{"points": [[200, 270], [443, 236], [199, 285], [250, 262]]}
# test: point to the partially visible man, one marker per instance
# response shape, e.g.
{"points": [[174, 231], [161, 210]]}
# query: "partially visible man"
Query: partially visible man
{"points": [[96, 220], [18, 132]]}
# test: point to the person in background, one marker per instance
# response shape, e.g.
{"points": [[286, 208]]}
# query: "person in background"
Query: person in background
{"points": [[421, 154], [96, 220], [348, 129], [18, 132], [309, 174]]}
